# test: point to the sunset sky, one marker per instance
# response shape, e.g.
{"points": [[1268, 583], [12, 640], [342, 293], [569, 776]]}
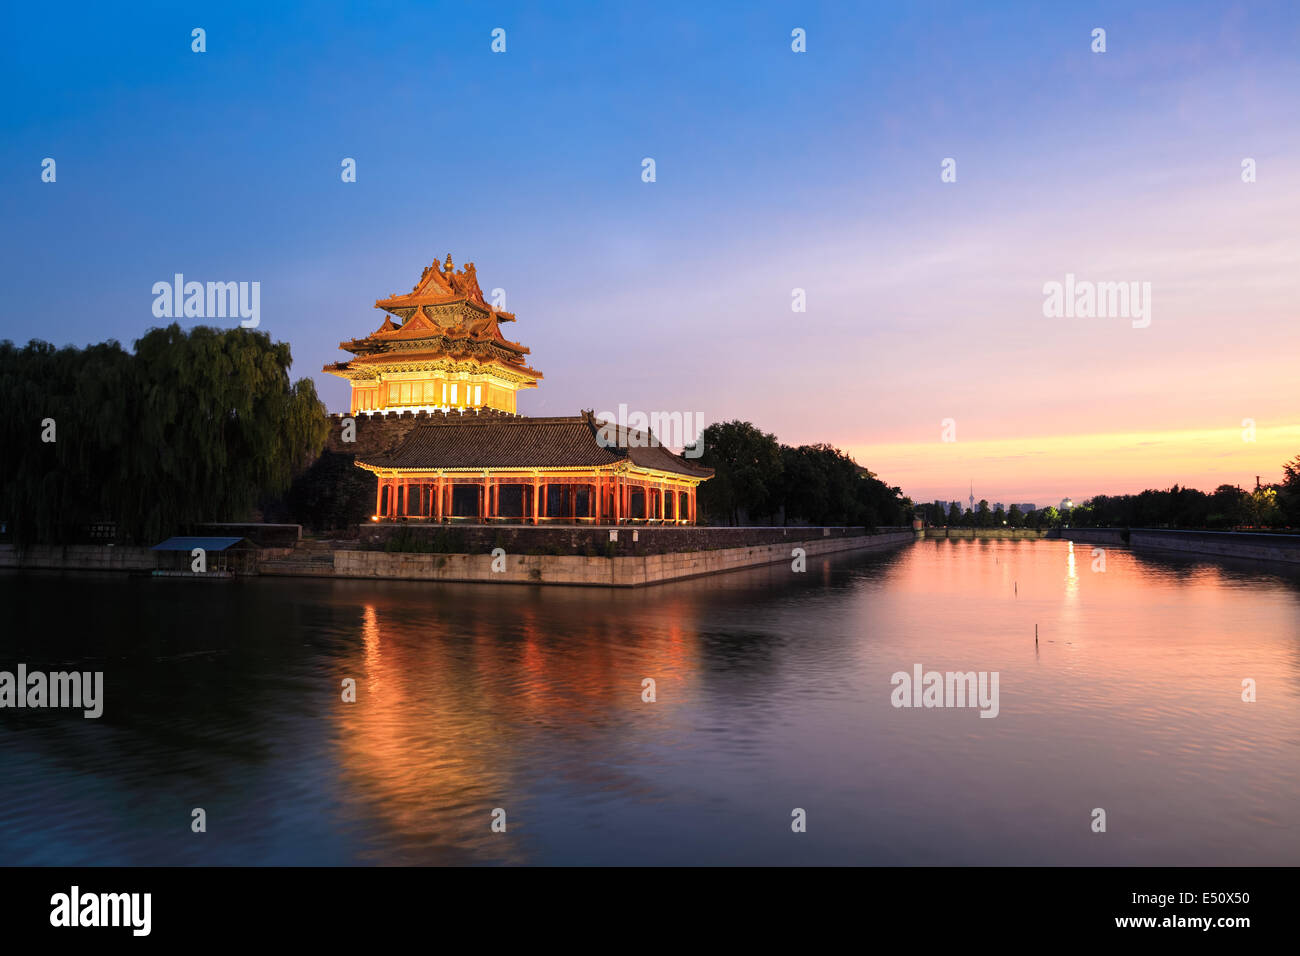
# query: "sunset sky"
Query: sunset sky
{"points": [[775, 170]]}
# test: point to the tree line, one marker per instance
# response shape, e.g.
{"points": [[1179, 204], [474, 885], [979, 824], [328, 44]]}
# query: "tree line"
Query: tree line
{"points": [[193, 426], [1272, 506], [1266, 506], [758, 480]]}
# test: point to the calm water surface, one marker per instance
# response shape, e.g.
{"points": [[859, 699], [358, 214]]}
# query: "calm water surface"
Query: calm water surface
{"points": [[773, 693]]}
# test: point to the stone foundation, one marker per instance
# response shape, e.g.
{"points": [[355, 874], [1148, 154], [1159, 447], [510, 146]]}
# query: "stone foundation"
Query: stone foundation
{"points": [[618, 571]]}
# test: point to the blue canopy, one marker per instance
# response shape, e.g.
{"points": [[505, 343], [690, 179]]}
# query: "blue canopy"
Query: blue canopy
{"points": [[183, 543]]}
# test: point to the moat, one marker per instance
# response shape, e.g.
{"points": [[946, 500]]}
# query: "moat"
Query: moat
{"points": [[772, 693]]}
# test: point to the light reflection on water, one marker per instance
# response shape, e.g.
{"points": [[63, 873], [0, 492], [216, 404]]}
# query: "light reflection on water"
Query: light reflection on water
{"points": [[773, 693]]}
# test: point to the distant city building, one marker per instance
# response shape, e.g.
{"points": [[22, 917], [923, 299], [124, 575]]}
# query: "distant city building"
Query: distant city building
{"points": [[943, 505], [997, 506], [1026, 508]]}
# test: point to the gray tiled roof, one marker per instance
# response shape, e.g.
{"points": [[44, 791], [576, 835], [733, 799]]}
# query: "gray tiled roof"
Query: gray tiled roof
{"points": [[499, 441]]}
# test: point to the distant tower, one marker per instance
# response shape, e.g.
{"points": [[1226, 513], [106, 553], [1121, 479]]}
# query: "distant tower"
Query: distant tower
{"points": [[972, 496]]}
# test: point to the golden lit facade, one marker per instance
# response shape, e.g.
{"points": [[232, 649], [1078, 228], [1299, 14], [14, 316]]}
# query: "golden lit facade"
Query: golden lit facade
{"points": [[440, 347], [487, 467]]}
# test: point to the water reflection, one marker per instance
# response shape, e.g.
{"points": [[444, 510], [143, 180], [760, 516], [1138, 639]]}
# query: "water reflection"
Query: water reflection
{"points": [[772, 692]]}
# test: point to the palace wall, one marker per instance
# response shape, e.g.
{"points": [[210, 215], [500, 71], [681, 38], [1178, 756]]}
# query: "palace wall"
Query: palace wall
{"points": [[593, 540], [378, 433]]}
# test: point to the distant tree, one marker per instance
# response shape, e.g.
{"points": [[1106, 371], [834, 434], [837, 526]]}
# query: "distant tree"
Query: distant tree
{"points": [[879, 503], [954, 515], [984, 517], [748, 466], [999, 517], [1015, 517], [755, 476], [1289, 492], [1082, 515], [1265, 507], [1228, 508]]}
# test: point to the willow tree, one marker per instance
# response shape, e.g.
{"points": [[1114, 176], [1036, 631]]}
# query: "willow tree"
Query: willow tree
{"points": [[196, 426]]}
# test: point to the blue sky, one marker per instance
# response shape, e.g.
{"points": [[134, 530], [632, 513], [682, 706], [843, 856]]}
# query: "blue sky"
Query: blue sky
{"points": [[775, 170]]}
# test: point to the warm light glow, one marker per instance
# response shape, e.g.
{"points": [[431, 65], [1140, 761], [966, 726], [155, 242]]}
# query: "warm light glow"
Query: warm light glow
{"points": [[1046, 469]]}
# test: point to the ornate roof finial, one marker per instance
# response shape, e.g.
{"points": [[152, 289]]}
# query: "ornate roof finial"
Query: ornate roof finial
{"points": [[447, 267]]}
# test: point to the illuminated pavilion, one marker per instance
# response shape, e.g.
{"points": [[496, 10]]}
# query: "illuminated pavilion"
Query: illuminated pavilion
{"points": [[445, 350], [469, 457]]}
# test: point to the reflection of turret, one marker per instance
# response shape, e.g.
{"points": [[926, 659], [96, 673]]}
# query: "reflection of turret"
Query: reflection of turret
{"points": [[437, 738]]}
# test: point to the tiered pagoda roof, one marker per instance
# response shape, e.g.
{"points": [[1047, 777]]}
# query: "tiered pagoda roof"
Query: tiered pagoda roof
{"points": [[443, 318]]}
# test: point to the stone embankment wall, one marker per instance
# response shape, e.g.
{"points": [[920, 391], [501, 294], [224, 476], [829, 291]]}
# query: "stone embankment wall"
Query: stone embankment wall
{"points": [[589, 540], [619, 571], [1279, 548], [96, 557], [80, 557], [1095, 535]]}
